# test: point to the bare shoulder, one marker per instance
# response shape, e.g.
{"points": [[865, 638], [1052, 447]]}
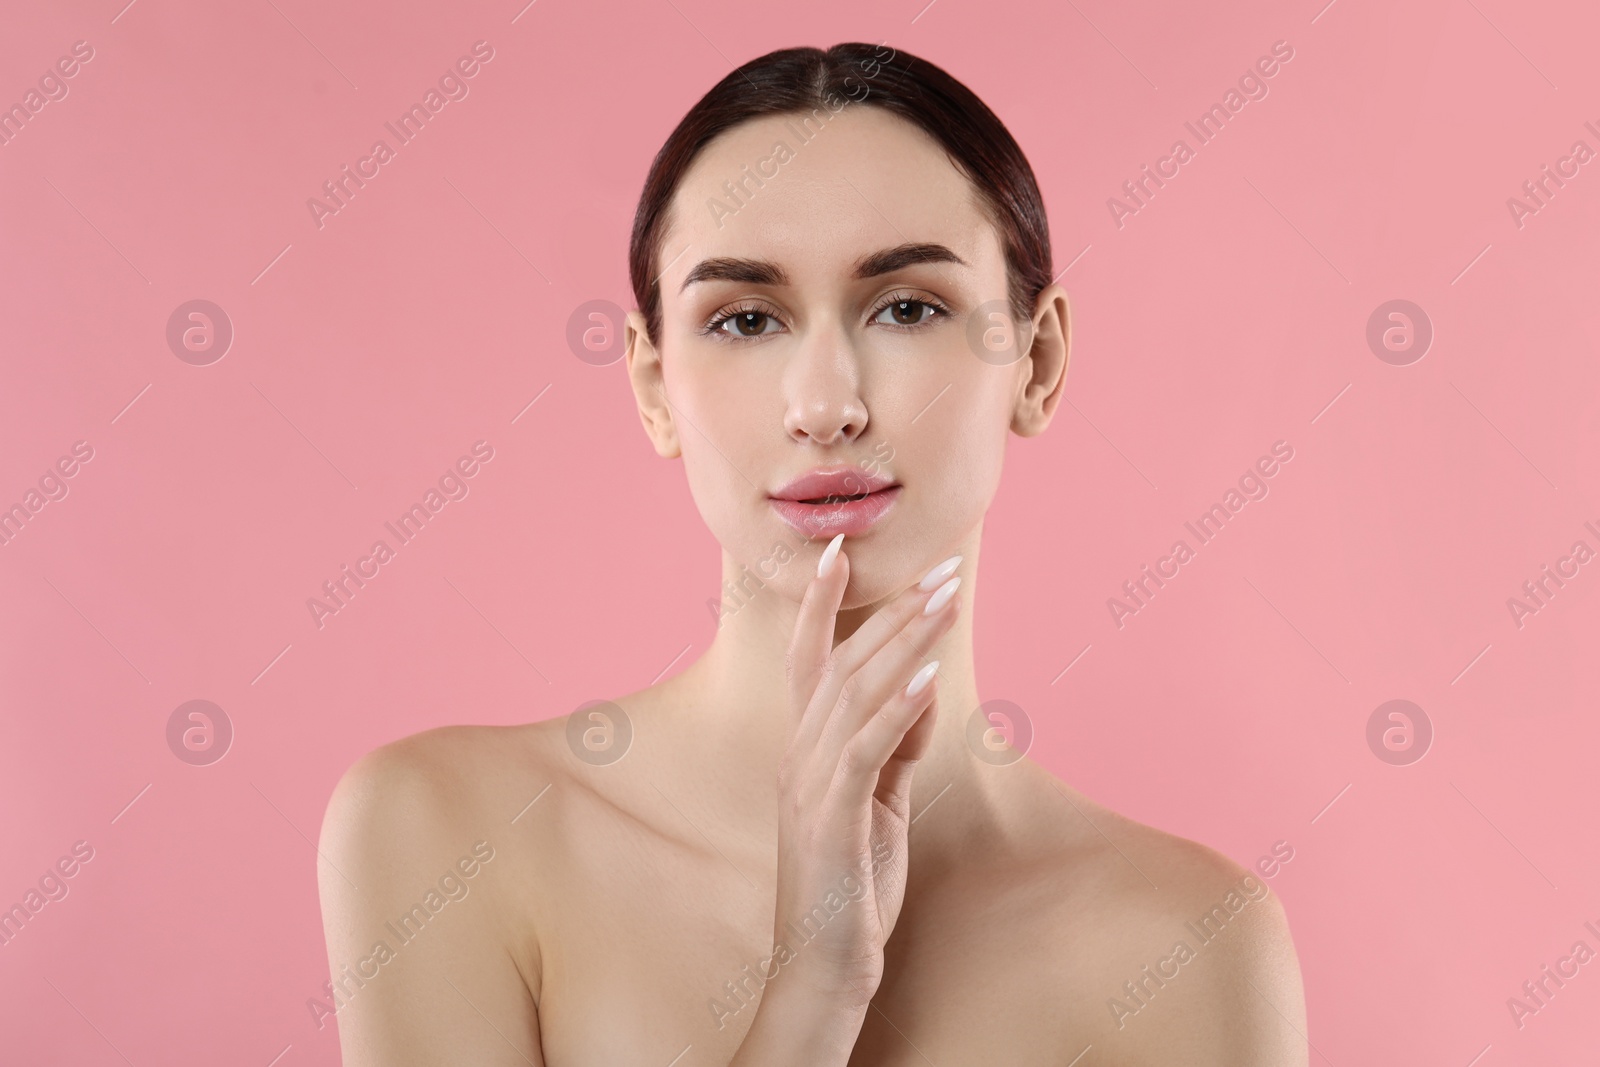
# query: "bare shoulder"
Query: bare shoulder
{"points": [[447, 781], [410, 812], [409, 804], [1191, 952], [420, 859]]}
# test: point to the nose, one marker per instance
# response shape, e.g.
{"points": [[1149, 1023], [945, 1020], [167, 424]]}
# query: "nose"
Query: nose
{"points": [[823, 386]]}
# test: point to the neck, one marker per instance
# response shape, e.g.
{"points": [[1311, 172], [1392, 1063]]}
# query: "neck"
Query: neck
{"points": [[736, 693]]}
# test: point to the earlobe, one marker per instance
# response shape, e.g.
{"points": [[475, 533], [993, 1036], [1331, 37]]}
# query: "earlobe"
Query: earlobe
{"points": [[1048, 355], [649, 387]]}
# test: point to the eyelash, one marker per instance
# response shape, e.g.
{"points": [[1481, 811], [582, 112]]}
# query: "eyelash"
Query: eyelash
{"points": [[714, 328]]}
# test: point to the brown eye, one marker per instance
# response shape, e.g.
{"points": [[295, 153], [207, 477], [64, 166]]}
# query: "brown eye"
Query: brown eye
{"points": [[747, 324], [906, 312]]}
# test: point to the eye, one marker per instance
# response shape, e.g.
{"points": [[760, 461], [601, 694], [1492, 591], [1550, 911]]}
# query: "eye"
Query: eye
{"points": [[906, 311], [749, 322]]}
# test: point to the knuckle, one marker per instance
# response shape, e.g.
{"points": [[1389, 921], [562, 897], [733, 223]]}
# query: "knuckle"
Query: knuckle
{"points": [[788, 775], [853, 756], [830, 671], [791, 664], [850, 692]]}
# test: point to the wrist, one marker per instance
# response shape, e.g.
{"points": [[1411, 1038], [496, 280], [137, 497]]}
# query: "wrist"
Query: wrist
{"points": [[827, 989], [797, 1024]]}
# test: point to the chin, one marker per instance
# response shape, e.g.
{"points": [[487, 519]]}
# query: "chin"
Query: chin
{"points": [[881, 565]]}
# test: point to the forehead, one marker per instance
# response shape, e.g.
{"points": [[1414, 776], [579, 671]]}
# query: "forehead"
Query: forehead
{"points": [[865, 180]]}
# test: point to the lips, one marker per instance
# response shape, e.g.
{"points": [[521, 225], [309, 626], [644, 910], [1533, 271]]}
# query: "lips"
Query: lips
{"points": [[835, 500]]}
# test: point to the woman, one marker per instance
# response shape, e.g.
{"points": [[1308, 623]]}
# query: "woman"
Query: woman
{"points": [[843, 277]]}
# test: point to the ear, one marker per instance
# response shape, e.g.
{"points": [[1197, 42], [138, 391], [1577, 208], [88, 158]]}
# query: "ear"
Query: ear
{"points": [[649, 387], [1046, 364]]}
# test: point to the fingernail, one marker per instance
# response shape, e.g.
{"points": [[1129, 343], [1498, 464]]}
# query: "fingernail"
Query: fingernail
{"points": [[920, 680], [942, 597], [828, 555], [939, 573]]}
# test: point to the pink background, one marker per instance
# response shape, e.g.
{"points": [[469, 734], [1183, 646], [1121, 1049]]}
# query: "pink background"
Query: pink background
{"points": [[370, 353]]}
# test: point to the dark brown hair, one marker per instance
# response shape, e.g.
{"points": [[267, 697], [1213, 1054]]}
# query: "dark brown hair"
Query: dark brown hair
{"points": [[808, 80]]}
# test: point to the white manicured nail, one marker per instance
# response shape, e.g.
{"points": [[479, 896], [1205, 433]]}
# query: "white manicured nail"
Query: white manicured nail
{"points": [[920, 680], [828, 555], [939, 573], [942, 597]]}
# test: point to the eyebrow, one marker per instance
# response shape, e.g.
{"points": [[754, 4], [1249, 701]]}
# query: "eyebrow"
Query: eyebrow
{"points": [[764, 272]]}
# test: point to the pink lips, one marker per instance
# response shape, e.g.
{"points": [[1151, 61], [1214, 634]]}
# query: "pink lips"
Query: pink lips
{"points": [[799, 502]]}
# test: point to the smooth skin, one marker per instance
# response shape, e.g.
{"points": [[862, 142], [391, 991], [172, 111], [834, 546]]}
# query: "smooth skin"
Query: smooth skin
{"points": [[962, 912]]}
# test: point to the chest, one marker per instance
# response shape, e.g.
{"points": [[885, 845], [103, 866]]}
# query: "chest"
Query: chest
{"points": [[659, 953]]}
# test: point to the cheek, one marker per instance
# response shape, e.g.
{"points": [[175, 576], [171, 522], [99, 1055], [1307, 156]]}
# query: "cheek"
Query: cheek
{"points": [[727, 475], [955, 461], [718, 427], [960, 474], [718, 488]]}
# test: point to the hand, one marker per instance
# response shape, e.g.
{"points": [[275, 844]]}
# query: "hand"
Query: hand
{"points": [[861, 716]]}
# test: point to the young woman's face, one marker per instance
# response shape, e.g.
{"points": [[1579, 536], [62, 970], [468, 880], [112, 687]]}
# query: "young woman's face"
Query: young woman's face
{"points": [[834, 317]]}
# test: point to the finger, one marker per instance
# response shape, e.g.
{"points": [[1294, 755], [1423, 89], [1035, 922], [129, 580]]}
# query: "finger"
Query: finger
{"points": [[867, 753], [812, 640], [894, 781], [890, 668], [879, 630]]}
